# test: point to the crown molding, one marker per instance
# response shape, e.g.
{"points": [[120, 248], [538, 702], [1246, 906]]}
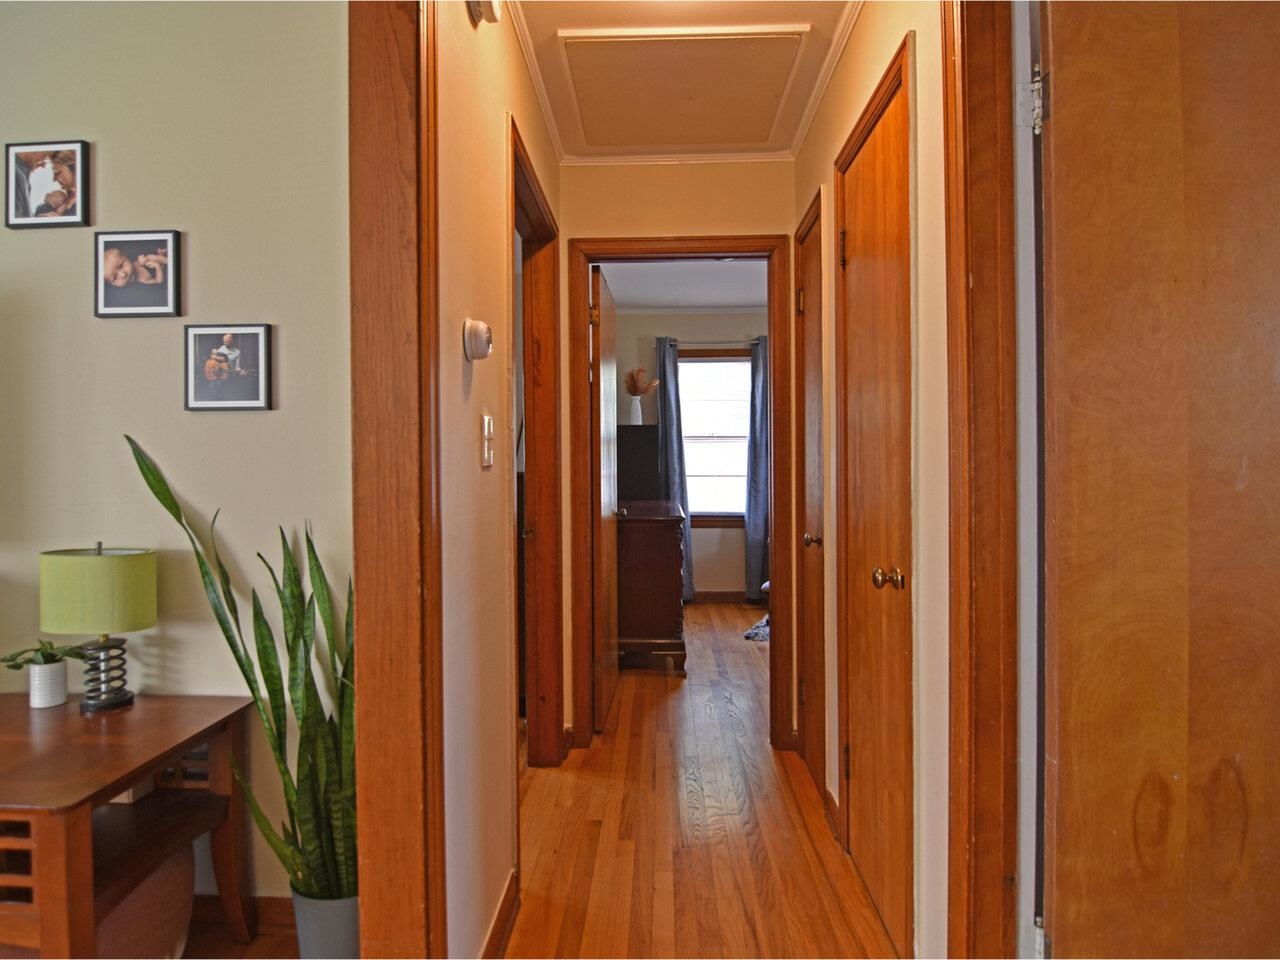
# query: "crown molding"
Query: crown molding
{"points": [[535, 76], [667, 159], [839, 40]]}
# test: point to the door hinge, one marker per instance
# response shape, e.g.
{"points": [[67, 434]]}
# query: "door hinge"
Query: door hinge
{"points": [[799, 300], [846, 761], [1033, 102], [843, 261], [801, 691], [594, 316]]}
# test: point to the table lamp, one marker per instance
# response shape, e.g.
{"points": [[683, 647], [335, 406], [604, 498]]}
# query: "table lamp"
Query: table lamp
{"points": [[99, 592]]}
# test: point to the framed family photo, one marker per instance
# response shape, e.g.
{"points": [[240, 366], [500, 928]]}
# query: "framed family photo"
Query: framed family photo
{"points": [[228, 367], [135, 274], [46, 184]]}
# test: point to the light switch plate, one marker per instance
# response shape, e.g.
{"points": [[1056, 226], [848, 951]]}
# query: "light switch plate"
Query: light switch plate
{"points": [[486, 441]]}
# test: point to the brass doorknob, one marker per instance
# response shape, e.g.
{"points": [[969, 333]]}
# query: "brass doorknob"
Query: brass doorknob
{"points": [[809, 540], [894, 576]]}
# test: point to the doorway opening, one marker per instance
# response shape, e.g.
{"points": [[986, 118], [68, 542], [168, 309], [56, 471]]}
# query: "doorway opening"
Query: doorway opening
{"points": [[595, 436]]}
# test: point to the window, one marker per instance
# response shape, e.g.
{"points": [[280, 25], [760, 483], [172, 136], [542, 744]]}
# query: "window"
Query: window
{"points": [[715, 416]]}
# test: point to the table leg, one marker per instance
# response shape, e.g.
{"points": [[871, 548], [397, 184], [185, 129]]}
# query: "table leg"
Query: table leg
{"points": [[229, 841], [62, 869]]}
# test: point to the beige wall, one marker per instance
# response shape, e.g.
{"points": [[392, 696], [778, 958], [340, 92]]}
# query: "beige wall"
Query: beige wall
{"points": [[719, 554], [664, 200], [227, 122], [879, 29], [483, 82]]}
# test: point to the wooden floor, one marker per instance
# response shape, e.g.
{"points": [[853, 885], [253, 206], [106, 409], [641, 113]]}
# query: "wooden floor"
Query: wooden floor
{"points": [[210, 936], [681, 833]]}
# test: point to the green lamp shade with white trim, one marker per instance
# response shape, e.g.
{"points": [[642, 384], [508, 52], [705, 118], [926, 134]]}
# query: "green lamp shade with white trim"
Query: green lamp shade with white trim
{"points": [[87, 592]]}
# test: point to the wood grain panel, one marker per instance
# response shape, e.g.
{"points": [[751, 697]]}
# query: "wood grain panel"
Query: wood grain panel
{"points": [[982, 396], [1162, 477], [604, 478], [544, 556], [873, 349], [395, 460], [811, 697]]}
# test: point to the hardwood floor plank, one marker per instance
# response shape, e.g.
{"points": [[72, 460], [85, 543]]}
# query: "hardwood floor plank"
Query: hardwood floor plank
{"points": [[681, 832]]}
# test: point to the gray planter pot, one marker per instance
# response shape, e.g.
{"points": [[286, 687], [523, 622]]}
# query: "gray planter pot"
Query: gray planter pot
{"points": [[327, 928]]}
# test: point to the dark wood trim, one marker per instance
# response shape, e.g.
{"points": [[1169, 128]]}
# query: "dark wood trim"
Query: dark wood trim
{"points": [[833, 814], [544, 560], [504, 921], [777, 251], [713, 353], [394, 360], [722, 520], [810, 218], [982, 377], [720, 596], [274, 913]]}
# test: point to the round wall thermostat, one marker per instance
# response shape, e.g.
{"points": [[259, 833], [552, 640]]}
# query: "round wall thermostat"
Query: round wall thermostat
{"points": [[477, 340], [490, 11]]}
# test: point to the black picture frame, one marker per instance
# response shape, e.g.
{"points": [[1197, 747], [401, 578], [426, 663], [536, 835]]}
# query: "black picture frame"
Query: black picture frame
{"points": [[19, 214], [239, 382], [138, 297]]}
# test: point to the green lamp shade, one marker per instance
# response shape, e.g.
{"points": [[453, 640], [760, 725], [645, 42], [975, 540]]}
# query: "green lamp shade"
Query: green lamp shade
{"points": [[83, 591]]}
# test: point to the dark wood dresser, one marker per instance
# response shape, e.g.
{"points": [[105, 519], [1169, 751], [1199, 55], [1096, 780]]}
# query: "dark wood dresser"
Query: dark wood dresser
{"points": [[650, 610]]}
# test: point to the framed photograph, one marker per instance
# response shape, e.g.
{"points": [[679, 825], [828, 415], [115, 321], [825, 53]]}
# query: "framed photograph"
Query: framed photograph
{"points": [[228, 367], [135, 274], [46, 184]]}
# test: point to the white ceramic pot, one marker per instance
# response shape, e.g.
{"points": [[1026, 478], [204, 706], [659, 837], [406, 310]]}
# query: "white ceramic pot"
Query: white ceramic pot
{"points": [[637, 414], [47, 683], [327, 928]]}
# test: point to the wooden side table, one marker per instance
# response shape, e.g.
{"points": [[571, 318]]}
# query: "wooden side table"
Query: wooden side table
{"points": [[68, 856]]}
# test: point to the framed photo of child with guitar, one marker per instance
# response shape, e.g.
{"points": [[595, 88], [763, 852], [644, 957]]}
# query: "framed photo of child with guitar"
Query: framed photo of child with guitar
{"points": [[228, 367], [136, 274]]}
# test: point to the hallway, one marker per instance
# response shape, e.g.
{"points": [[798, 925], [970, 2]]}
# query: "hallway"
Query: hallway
{"points": [[680, 832]]}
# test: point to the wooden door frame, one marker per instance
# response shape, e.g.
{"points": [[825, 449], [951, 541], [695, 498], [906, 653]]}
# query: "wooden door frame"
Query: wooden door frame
{"points": [[533, 219], [812, 218], [776, 250], [395, 356], [982, 377]]}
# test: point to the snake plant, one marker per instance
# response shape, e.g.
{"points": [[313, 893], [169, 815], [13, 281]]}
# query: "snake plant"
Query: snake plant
{"points": [[317, 846]]}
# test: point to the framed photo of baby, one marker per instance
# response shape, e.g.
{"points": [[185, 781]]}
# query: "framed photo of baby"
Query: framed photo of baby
{"points": [[46, 184], [135, 274], [228, 367]]}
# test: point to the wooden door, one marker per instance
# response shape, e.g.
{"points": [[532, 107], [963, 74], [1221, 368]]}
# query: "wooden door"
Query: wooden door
{"points": [[874, 354], [811, 713], [1162, 480], [604, 411]]}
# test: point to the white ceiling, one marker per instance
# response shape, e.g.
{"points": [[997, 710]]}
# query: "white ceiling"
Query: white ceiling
{"points": [[689, 286], [636, 80]]}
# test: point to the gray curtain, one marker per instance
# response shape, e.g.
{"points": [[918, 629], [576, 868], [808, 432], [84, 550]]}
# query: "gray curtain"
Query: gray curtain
{"points": [[756, 519], [671, 447]]}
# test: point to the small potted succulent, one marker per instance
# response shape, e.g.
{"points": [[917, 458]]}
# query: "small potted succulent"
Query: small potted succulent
{"points": [[47, 670]]}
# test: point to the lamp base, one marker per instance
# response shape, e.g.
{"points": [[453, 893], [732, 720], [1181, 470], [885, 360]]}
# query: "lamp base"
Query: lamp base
{"points": [[104, 676], [121, 698]]}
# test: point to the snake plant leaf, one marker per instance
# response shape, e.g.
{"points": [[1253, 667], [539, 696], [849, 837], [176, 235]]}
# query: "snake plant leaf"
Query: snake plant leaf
{"points": [[310, 822], [155, 481], [285, 852], [292, 600], [227, 593], [269, 663], [324, 603]]}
